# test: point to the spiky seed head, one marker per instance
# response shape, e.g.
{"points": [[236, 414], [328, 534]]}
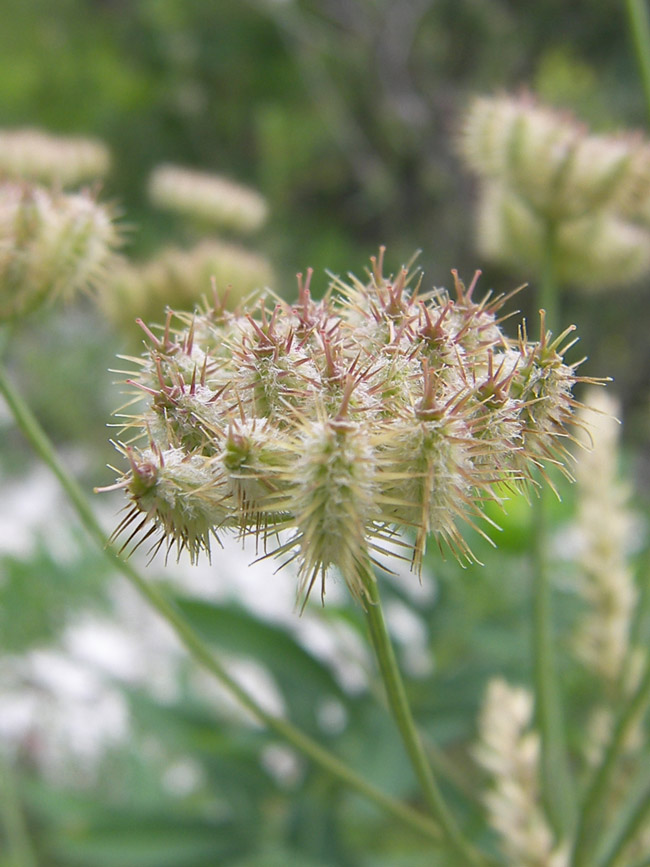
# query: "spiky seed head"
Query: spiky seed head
{"points": [[178, 495], [325, 428], [331, 495], [51, 245]]}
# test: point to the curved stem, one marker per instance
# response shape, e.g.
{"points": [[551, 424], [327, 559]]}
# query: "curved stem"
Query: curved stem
{"points": [[400, 708], [639, 23], [601, 784], [188, 637], [557, 787]]}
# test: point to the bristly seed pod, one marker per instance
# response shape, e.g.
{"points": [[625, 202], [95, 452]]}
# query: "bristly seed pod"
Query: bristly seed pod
{"points": [[327, 428]]}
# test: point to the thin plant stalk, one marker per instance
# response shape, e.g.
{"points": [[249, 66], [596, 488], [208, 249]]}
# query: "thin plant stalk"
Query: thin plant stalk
{"points": [[548, 295], [596, 797], [557, 788], [639, 23], [400, 708], [636, 822], [639, 625], [20, 851], [196, 647]]}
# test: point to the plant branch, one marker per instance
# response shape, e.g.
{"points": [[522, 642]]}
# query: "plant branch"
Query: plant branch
{"points": [[557, 787], [636, 822], [601, 784]]}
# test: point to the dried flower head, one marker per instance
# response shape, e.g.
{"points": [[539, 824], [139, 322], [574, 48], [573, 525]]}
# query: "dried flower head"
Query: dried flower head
{"points": [[325, 428], [51, 245], [35, 155], [179, 278], [207, 197]]}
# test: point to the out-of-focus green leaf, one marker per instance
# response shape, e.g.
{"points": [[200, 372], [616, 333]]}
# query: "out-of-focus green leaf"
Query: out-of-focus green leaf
{"points": [[132, 840], [279, 858], [39, 593], [303, 680]]}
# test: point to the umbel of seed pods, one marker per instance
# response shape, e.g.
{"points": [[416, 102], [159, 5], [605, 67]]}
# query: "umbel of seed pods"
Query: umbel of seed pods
{"points": [[332, 429]]}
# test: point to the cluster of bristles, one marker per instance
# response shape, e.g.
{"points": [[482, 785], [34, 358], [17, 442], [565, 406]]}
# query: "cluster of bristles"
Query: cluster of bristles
{"points": [[337, 430]]}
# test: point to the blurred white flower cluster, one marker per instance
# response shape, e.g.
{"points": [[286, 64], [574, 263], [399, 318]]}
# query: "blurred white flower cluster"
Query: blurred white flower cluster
{"points": [[509, 750], [57, 161]]}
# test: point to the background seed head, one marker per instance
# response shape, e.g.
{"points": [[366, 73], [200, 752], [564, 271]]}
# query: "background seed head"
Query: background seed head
{"points": [[179, 278], [51, 245], [550, 160], [32, 154], [207, 197]]}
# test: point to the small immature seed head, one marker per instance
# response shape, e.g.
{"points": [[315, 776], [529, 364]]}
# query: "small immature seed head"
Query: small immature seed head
{"points": [[540, 170], [606, 526], [326, 428], [509, 751]]}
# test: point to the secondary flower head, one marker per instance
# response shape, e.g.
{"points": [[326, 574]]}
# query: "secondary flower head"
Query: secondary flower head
{"points": [[207, 197], [51, 245], [551, 161], [35, 155], [542, 174], [327, 428]]}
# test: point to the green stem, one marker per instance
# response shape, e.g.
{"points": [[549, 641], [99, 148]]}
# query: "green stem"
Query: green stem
{"points": [[639, 624], [548, 291], [637, 820], [556, 783], [188, 637], [639, 23], [400, 708], [20, 849], [601, 784]]}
